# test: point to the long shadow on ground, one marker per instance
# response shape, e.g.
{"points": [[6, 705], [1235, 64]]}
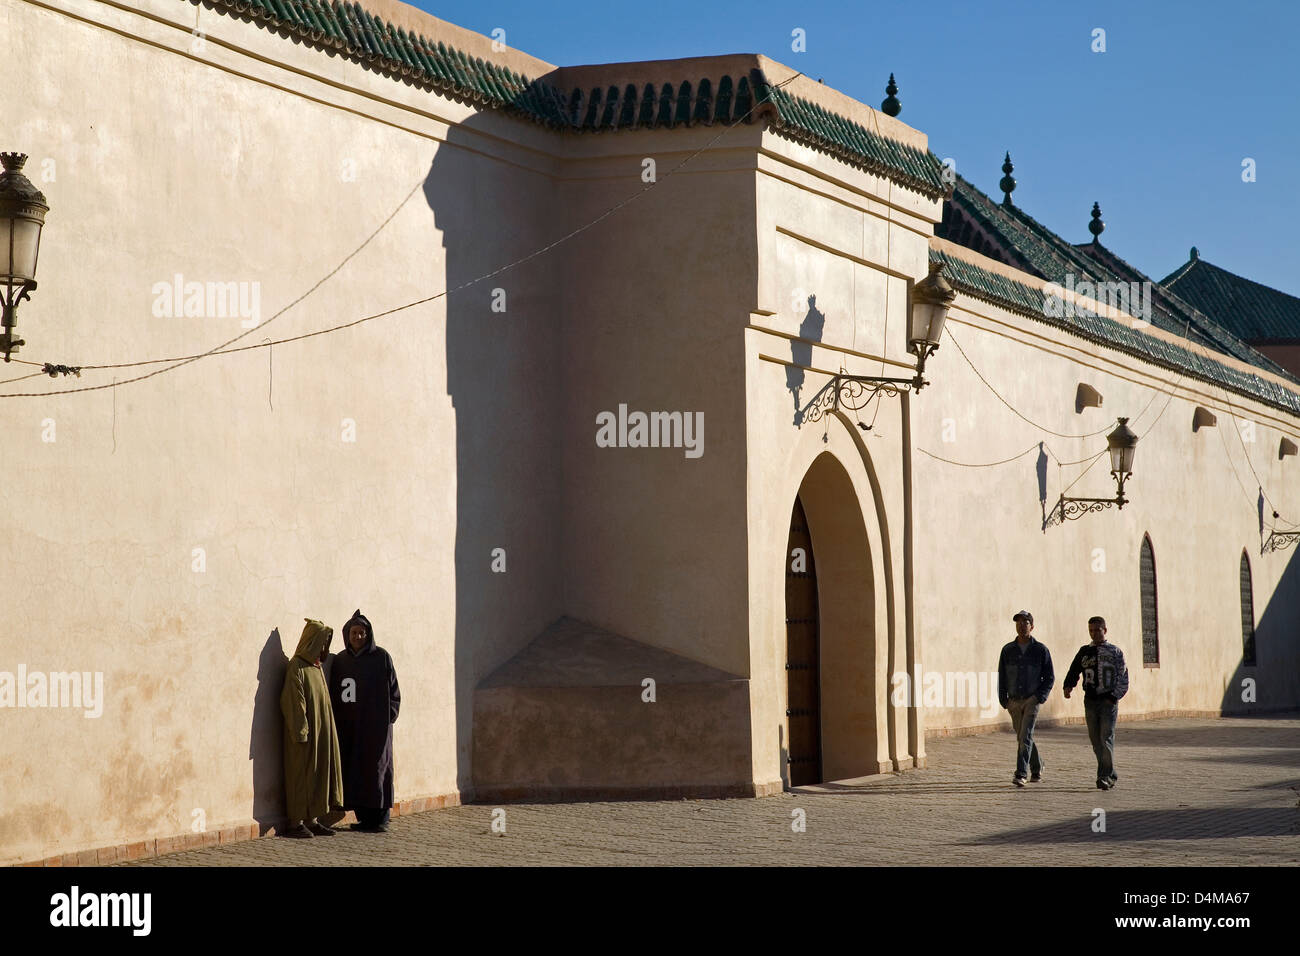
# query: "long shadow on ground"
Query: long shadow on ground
{"points": [[1136, 825]]}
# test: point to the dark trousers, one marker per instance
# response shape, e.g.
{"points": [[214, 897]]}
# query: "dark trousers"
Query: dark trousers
{"points": [[373, 818], [1101, 716]]}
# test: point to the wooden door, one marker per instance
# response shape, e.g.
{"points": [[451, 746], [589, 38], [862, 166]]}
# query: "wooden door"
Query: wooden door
{"points": [[803, 670]]}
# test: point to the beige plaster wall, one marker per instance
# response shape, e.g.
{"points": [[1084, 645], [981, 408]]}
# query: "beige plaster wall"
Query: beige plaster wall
{"points": [[228, 164], [234, 162], [982, 552], [654, 313], [853, 242], [687, 737], [979, 547]]}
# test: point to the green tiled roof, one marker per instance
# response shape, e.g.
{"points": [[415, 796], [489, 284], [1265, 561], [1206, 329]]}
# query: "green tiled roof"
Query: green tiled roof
{"points": [[689, 101], [857, 145], [1177, 309], [1010, 235], [1026, 300], [391, 50], [1253, 311]]}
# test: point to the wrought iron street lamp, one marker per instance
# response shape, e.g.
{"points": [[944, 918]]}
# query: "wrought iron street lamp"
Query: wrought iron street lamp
{"points": [[22, 214], [1122, 446], [1279, 540], [931, 299]]}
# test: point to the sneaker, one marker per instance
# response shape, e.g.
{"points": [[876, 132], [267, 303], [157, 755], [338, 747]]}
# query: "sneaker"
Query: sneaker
{"points": [[1036, 778], [1113, 780], [299, 832], [364, 828], [320, 829], [1018, 781], [1104, 784]]}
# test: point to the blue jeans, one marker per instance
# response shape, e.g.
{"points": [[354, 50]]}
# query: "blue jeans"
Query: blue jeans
{"points": [[1101, 715], [1024, 714]]}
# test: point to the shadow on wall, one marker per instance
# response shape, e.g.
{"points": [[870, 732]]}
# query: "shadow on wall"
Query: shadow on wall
{"points": [[785, 756], [1040, 468], [266, 740], [505, 377], [1276, 671], [810, 330], [473, 366]]}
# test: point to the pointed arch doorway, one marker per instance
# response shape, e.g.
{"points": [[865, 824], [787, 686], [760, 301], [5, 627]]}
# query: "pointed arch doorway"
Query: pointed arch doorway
{"points": [[831, 653]]}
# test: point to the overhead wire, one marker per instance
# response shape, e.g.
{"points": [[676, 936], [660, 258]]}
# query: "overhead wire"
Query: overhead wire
{"points": [[6, 381], [1245, 453], [224, 346], [989, 464], [224, 349], [1012, 408], [1091, 461]]}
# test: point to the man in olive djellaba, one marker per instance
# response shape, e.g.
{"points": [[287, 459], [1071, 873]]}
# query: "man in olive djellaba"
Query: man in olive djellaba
{"points": [[313, 774]]}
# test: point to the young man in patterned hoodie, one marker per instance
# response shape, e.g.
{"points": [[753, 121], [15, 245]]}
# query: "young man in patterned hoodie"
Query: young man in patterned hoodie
{"points": [[1105, 681]]}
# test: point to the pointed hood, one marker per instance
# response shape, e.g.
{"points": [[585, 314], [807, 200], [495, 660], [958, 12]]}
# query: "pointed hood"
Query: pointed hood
{"points": [[359, 618], [315, 641]]}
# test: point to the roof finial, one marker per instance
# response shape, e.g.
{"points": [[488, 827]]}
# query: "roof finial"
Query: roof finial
{"points": [[891, 106], [1008, 184], [1195, 255], [1096, 227]]}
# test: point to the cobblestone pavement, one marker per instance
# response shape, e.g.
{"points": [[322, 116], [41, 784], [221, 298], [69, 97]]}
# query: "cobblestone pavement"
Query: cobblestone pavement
{"points": [[1197, 792]]}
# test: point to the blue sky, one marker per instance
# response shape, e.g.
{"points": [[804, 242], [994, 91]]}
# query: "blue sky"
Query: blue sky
{"points": [[1155, 128]]}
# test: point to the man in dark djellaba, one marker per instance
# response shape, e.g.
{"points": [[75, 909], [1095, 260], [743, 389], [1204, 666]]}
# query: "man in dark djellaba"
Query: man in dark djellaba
{"points": [[365, 699]]}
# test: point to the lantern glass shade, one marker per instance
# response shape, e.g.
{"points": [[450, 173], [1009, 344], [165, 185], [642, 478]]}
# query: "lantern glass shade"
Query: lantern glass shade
{"points": [[1121, 460], [1123, 445], [20, 242], [931, 298], [927, 323]]}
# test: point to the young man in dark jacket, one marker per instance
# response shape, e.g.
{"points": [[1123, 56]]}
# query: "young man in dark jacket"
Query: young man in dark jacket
{"points": [[1025, 679], [365, 698], [1105, 681]]}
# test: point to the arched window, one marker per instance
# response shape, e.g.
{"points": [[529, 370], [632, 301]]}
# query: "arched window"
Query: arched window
{"points": [[1247, 614], [1150, 626]]}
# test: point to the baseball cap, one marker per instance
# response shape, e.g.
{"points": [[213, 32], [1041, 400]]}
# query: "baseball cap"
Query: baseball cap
{"points": [[1023, 613]]}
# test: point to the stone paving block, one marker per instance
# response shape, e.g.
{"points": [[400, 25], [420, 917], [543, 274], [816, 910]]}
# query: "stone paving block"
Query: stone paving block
{"points": [[1201, 792]]}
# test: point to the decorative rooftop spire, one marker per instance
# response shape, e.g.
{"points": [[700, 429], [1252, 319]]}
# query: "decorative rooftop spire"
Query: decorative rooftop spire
{"points": [[1195, 255], [891, 106], [1008, 184], [1096, 227]]}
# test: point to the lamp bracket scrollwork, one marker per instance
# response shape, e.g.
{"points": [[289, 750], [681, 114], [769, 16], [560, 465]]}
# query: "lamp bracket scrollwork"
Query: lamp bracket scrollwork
{"points": [[1279, 541], [1072, 509], [852, 393]]}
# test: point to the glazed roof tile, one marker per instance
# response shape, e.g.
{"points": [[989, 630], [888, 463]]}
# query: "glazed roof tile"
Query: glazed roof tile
{"points": [[1253, 311], [1027, 300], [685, 101], [1007, 233]]}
